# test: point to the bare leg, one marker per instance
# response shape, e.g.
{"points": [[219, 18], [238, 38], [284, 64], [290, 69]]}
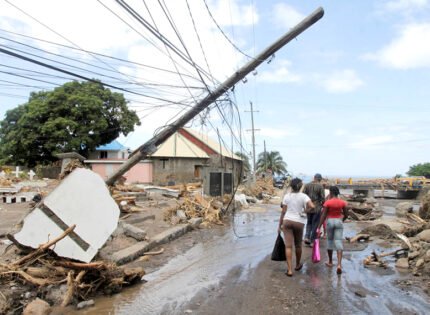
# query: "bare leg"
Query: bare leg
{"points": [[289, 253], [339, 261], [330, 257], [298, 256]]}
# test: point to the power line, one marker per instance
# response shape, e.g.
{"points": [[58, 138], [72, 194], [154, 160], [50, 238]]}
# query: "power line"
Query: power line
{"points": [[99, 54], [225, 35]]}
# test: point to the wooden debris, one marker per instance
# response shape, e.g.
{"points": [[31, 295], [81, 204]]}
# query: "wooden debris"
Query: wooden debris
{"points": [[405, 240], [358, 238], [194, 207], [415, 218], [42, 267], [374, 260]]}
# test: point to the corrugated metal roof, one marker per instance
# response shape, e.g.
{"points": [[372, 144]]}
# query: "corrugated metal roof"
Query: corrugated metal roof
{"points": [[113, 146], [178, 146], [214, 145]]}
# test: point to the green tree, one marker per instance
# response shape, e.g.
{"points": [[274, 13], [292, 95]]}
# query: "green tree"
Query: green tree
{"points": [[271, 160], [420, 169], [77, 117], [245, 162]]}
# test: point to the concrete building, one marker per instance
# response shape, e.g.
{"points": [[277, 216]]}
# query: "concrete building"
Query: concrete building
{"points": [[186, 156]]}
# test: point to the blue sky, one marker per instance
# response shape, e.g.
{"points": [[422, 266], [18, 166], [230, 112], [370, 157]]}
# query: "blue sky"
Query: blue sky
{"points": [[348, 97]]}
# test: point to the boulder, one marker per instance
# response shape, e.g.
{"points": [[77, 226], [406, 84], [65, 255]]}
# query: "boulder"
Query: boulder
{"points": [[424, 236], [37, 307], [240, 200], [403, 208], [424, 211], [402, 263], [84, 304], [420, 262], [382, 230]]}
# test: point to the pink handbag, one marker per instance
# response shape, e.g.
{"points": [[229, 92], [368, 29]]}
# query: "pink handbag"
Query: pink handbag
{"points": [[316, 257]]}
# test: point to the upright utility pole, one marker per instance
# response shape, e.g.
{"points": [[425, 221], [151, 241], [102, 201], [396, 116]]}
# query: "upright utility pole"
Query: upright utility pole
{"points": [[151, 145], [254, 167]]}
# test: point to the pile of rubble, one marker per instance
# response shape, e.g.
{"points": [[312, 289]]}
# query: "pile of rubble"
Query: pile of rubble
{"points": [[414, 235], [363, 209], [126, 197], [262, 189], [197, 206], [42, 272]]}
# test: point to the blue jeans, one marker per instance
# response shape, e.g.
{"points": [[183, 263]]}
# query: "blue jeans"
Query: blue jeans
{"points": [[334, 234], [312, 225]]}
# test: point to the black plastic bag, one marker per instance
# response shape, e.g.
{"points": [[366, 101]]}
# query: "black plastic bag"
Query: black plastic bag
{"points": [[278, 253]]}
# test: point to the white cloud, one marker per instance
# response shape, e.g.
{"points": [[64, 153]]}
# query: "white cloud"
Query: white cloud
{"points": [[229, 13], [402, 5], [341, 81], [280, 73], [278, 133], [285, 16], [371, 142], [411, 49], [108, 34], [340, 132]]}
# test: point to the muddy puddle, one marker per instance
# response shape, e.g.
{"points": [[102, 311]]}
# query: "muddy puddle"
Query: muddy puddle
{"points": [[245, 244]]}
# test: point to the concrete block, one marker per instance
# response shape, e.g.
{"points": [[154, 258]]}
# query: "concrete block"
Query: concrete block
{"points": [[134, 232], [170, 234], [131, 253]]}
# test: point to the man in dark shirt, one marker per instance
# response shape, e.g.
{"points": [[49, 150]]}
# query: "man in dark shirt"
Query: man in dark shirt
{"points": [[315, 191]]}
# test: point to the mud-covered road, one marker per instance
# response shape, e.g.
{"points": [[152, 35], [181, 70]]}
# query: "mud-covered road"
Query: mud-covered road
{"points": [[229, 271]]}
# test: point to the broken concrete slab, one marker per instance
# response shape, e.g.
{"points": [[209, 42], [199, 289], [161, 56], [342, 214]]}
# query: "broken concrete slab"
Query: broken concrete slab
{"points": [[82, 198], [131, 253], [161, 191], [134, 232]]}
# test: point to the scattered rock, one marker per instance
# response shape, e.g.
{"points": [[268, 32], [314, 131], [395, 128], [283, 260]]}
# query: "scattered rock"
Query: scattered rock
{"points": [[84, 304], [360, 294], [56, 294], [424, 236], [181, 215], [428, 253], [402, 263], [37, 307], [403, 208], [420, 262], [134, 232], [413, 255], [195, 222]]}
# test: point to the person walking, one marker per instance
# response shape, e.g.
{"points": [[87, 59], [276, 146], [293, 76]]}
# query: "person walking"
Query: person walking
{"points": [[292, 222], [335, 211], [315, 191]]}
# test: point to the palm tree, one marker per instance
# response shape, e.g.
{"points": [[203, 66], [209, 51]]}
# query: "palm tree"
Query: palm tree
{"points": [[271, 160], [245, 162]]}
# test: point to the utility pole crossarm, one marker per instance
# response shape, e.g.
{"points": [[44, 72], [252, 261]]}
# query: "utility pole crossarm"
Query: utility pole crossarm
{"points": [[150, 146]]}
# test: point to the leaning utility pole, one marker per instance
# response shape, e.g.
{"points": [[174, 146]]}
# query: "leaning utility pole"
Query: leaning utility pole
{"points": [[254, 168], [151, 145]]}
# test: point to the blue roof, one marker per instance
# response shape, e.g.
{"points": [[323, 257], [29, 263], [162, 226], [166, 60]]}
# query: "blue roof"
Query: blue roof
{"points": [[113, 146]]}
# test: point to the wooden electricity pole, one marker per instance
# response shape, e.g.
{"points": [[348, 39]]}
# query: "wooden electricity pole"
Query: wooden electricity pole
{"points": [[254, 167], [151, 145]]}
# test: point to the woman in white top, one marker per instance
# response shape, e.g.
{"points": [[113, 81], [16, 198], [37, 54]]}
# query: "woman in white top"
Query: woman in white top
{"points": [[292, 222]]}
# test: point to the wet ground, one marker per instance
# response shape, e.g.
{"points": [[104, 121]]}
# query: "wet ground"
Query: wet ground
{"points": [[229, 271]]}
